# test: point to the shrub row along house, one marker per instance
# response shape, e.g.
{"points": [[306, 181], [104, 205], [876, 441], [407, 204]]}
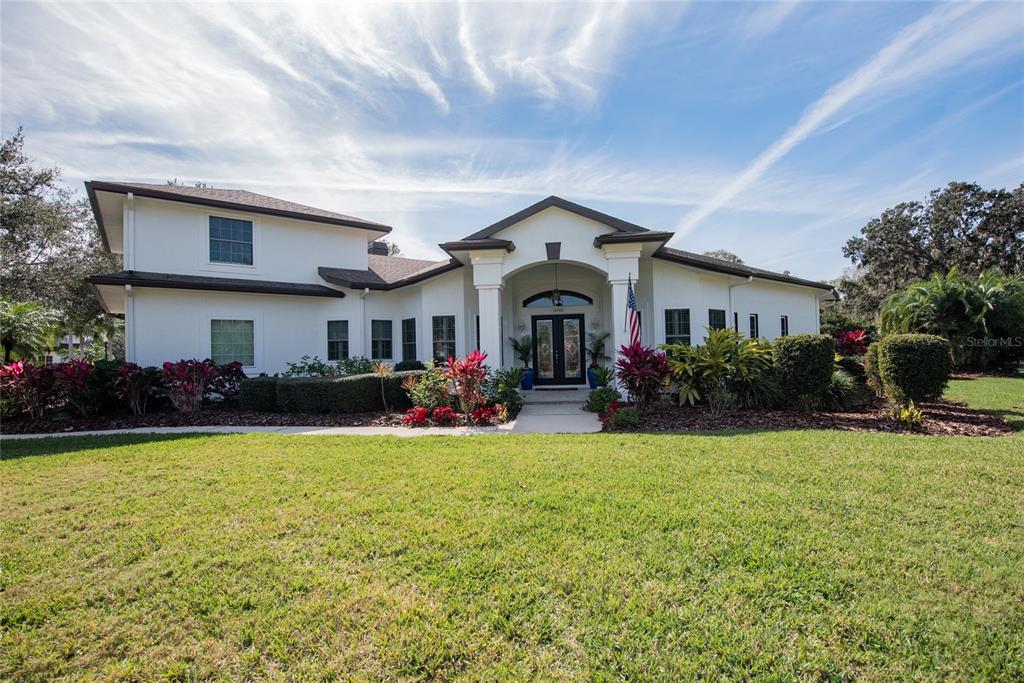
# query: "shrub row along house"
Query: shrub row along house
{"points": [[237, 276]]}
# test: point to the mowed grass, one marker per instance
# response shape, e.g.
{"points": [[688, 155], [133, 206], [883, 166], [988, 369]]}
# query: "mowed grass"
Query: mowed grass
{"points": [[780, 555]]}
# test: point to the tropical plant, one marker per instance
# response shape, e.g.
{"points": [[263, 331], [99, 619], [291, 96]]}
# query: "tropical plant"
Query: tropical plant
{"points": [[187, 381], [382, 370], [620, 416], [24, 327], [728, 360], [71, 381], [311, 367], [721, 401], [431, 390], [842, 391], [468, 375], [416, 417], [502, 387], [604, 376], [355, 365], [907, 416], [978, 316], [443, 415], [642, 372], [599, 399], [135, 385], [595, 348], [27, 387], [851, 342], [523, 349]]}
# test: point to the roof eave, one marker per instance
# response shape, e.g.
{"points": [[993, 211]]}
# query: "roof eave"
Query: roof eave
{"points": [[214, 285], [104, 186], [633, 237], [741, 272], [559, 203]]}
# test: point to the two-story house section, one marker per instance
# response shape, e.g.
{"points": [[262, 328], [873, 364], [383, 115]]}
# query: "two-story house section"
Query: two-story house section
{"points": [[233, 275]]}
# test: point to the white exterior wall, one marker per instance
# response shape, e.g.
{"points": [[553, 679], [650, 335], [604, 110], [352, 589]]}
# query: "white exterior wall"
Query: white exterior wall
{"points": [[771, 301], [173, 237]]}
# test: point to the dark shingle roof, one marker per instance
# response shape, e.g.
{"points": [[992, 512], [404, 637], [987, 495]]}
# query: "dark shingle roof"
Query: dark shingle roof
{"points": [[207, 283], [689, 258], [241, 200], [387, 272]]}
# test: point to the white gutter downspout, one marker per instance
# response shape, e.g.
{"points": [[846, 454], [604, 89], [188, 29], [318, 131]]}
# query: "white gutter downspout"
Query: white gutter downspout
{"points": [[366, 327], [732, 312]]}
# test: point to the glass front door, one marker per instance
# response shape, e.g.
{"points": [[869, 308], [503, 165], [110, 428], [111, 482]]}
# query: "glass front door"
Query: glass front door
{"points": [[558, 353]]}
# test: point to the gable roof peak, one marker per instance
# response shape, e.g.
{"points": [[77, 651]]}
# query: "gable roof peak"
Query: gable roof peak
{"points": [[612, 222]]}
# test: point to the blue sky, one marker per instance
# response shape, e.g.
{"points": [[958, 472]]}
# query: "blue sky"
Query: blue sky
{"points": [[774, 130]]}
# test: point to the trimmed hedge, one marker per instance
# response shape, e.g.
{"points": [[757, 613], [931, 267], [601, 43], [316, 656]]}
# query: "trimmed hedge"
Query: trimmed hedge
{"points": [[871, 368], [349, 394], [804, 365], [259, 394], [914, 367], [409, 365]]}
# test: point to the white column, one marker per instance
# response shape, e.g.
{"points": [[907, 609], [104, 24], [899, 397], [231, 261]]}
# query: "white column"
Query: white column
{"points": [[490, 323], [623, 266], [488, 280], [620, 335]]}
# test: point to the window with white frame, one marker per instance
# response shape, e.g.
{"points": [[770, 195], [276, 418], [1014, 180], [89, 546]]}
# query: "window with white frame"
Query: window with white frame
{"points": [[677, 326], [233, 340], [754, 330], [409, 339], [337, 340], [784, 326], [230, 241], [716, 318], [443, 336], [380, 339]]}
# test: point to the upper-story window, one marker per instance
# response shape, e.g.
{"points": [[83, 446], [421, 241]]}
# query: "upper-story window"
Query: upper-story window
{"points": [[230, 241]]}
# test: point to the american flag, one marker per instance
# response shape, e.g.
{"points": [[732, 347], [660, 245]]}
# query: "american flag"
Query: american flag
{"points": [[632, 315]]}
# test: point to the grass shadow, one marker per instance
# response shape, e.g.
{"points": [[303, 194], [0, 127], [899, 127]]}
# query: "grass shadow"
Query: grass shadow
{"points": [[13, 449]]}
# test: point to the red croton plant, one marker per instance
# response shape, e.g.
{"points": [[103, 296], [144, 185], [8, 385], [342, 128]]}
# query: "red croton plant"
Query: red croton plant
{"points": [[851, 342], [468, 375], [642, 372]]}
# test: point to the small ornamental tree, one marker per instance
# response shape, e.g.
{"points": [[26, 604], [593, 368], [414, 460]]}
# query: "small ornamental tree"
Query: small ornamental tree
{"points": [[914, 367], [468, 375], [642, 371], [187, 381], [804, 365]]}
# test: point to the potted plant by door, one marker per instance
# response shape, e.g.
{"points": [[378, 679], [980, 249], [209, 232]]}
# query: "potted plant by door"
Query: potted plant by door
{"points": [[595, 349], [523, 348]]}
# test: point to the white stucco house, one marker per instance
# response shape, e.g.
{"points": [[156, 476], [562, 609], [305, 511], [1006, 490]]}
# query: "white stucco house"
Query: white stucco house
{"points": [[233, 275]]}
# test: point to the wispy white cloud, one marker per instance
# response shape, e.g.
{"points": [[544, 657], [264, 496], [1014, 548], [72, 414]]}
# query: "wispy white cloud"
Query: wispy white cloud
{"points": [[765, 18], [899, 61]]}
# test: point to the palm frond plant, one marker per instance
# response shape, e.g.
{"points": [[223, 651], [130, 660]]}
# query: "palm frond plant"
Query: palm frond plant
{"points": [[728, 361], [382, 370], [25, 327], [596, 348], [523, 349]]}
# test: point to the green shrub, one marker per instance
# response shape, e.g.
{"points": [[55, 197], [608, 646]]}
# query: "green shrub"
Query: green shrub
{"points": [[600, 399], [350, 394], [409, 365], [259, 394], [626, 417], [874, 379], [804, 365], [432, 390], [843, 391], [914, 367], [727, 361], [854, 366], [502, 387]]}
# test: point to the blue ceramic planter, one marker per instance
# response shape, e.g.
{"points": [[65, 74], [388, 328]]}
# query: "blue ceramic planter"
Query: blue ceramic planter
{"points": [[527, 383]]}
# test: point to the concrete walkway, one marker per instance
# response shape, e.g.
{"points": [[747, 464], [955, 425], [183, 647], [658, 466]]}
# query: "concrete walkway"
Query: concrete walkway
{"points": [[555, 412], [544, 412]]}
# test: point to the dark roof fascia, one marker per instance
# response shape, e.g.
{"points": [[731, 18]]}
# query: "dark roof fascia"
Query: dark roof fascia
{"points": [[97, 214], [565, 205], [633, 237], [213, 284], [325, 273], [484, 244], [94, 186], [676, 256], [99, 297]]}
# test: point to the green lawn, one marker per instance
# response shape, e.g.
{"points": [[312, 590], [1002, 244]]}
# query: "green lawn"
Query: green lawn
{"points": [[781, 555]]}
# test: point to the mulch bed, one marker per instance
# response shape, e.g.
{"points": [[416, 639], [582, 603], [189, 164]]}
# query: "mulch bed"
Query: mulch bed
{"points": [[941, 418], [208, 417]]}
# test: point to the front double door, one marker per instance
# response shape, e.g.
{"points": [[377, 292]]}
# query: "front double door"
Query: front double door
{"points": [[558, 353]]}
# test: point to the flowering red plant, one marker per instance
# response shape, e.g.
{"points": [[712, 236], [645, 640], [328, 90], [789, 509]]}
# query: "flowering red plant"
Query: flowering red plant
{"points": [[484, 415], [416, 417], [468, 376], [71, 380], [135, 385], [851, 343], [227, 380], [444, 415], [28, 387], [642, 372], [187, 381]]}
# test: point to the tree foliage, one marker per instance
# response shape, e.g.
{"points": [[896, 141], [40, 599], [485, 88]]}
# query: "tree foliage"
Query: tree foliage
{"points": [[49, 239], [723, 255], [981, 317], [24, 327], [961, 225]]}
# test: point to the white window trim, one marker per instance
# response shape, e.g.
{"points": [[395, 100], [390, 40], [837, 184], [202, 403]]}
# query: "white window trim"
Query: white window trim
{"points": [[257, 239], [236, 314], [369, 337], [661, 331]]}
